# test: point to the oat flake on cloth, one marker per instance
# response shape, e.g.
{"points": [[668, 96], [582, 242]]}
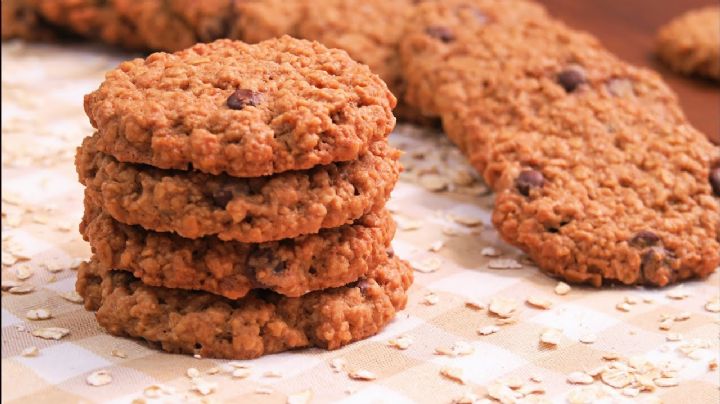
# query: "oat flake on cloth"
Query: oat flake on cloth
{"points": [[481, 322]]}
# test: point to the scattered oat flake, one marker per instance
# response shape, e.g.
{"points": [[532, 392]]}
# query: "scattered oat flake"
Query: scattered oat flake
{"points": [[203, 387], [23, 272], [502, 307], [666, 382], [539, 302], [488, 329], [431, 299], [51, 332], [72, 296], [580, 378], [562, 289], [611, 356], [192, 373], [38, 314], [153, 391], [506, 321], [623, 307], [474, 304], [22, 289], [501, 392], [536, 378], [713, 305], [8, 259], [197, 356], [9, 284], [213, 371], [433, 182], [272, 373], [459, 348], [450, 231], [588, 338], [504, 263], [30, 351], [362, 374], [119, 354], [240, 373], [436, 246], [666, 324], [489, 252], [678, 293], [402, 342], [551, 336], [302, 397], [468, 397], [264, 390], [685, 315], [618, 378], [406, 224], [54, 266], [427, 265], [469, 221], [99, 378], [453, 373]]}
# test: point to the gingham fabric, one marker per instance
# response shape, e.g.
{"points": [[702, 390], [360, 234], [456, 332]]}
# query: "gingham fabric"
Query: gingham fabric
{"points": [[43, 122]]}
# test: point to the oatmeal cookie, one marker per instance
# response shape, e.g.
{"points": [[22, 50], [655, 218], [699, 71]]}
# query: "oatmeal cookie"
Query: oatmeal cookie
{"points": [[291, 267], [599, 177], [251, 210], [690, 43], [258, 20], [246, 110], [261, 323]]}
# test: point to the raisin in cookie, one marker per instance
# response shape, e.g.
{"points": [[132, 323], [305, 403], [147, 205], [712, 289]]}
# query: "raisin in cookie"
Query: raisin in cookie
{"points": [[690, 44], [194, 204], [260, 323], [291, 267], [246, 110]]}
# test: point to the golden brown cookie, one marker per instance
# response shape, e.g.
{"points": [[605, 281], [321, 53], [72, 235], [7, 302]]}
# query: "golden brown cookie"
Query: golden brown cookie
{"points": [[260, 323], [690, 43]]}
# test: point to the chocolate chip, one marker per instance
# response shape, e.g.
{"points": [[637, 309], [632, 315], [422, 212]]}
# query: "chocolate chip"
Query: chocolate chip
{"points": [[528, 180], [390, 252], [571, 78], [222, 197], [243, 97], [442, 33], [715, 180], [363, 285], [280, 267], [654, 266], [644, 238]]}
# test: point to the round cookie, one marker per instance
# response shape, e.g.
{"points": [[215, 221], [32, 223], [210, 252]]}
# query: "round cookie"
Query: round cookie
{"points": [[292, 267], [246, 110], [260, 323], [690, 43], [251, 210]]}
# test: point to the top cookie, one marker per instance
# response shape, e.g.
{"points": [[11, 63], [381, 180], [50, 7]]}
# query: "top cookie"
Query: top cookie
{"points": [[690, 43], [246, 110]]}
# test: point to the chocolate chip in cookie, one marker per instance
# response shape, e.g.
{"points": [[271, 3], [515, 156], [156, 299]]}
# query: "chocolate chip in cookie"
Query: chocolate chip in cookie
{"points": [[440, 32], [644, 238], [243, 97], [529, 179], [715, 180], [222, 197], [571, 78]]}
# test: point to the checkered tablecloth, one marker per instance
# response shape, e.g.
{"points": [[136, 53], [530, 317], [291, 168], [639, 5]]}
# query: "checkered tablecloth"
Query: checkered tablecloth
{"points": [[446, 234]]}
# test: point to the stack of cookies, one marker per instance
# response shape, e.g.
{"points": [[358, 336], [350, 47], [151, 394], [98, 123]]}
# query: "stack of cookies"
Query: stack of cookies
{"points": [[235, 199]]}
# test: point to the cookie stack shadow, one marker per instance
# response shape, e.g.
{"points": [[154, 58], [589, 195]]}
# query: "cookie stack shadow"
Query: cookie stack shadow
{"points": [[234, 200]]}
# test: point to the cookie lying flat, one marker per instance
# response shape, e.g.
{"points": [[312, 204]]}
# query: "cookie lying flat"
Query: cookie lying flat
{"points": [[292, 267], [369, 31], [261, 323], [250, 210], [246, 110], [690, 43], [599, 176]]}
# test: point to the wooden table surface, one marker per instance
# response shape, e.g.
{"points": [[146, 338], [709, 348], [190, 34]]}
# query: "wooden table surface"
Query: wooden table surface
{"points": [[628, 27]]}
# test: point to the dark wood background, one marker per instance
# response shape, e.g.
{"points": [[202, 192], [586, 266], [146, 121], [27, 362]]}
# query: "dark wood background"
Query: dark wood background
{"points": [[628, 27]]}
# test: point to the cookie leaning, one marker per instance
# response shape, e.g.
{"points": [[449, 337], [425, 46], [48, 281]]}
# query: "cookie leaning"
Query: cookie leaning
{"points": [[246, 110], [690, 43], [291, 267], [261, 323], [251, 210], [599, 176]]}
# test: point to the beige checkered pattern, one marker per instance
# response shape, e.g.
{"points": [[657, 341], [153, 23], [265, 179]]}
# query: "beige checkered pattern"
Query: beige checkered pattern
{"points": [[42, 122]]}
